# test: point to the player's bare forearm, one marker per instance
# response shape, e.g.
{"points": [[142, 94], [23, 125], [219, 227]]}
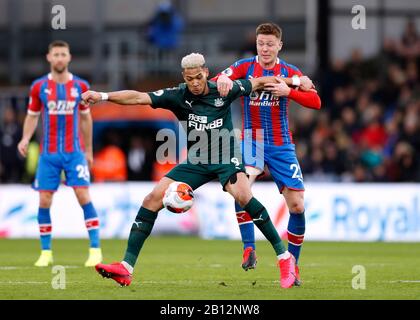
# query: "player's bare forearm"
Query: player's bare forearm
{"points": [[86, 131], [123, 97], [288, 81], [258, 83], [129, 97], [304, 83], [29, 127]]}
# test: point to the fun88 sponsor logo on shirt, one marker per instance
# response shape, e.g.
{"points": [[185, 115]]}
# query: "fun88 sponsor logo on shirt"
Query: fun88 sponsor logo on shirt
{"points": [[199, 123]]}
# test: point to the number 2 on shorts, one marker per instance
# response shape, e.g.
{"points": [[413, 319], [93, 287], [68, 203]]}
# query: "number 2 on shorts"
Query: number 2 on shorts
{"points": [[297, 174], [83, 172]]}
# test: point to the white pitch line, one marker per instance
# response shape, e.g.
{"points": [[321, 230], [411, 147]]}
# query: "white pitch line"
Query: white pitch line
{"points": [[211, 282], [403, 281], [28, 267], [36, 282], [22, 282], [313, 265]]}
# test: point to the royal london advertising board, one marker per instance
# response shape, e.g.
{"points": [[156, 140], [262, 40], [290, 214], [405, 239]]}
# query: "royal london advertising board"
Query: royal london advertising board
{"points": [[334, 212]]}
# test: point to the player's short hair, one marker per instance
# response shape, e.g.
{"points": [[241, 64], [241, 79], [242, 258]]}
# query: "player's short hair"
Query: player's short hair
{"points": [[193, 60], [58, 43], [269, 28]]}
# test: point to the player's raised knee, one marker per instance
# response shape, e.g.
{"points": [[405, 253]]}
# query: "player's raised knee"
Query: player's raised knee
{"points": [[153, 201]]}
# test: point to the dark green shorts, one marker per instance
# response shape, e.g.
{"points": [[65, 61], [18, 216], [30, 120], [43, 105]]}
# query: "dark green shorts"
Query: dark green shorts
{"points": [[198, 174]]}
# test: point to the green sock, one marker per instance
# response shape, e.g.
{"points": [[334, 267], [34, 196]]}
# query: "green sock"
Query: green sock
{"points": [[141, 229], [263, 222]]}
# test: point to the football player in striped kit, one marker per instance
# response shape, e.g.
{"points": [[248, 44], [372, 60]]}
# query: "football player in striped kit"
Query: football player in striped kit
{"points": [[66, 146], [266, 133]]}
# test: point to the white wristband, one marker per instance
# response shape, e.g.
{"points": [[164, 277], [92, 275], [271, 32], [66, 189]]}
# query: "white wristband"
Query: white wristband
{"points": [[104, 96], [296, 81]]}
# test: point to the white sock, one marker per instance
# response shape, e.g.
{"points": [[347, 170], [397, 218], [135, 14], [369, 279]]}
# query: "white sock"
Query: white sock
{"points": [[127, 266], [285, 255]]}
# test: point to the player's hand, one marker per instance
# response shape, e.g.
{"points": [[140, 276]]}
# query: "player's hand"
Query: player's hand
{"points": [[23, 147], [306, 83], [279, 89], [224, 85], [90, 97]]}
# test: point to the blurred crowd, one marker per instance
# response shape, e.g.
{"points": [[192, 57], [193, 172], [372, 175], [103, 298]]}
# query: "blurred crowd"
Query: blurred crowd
{"points": [[368, 129]]}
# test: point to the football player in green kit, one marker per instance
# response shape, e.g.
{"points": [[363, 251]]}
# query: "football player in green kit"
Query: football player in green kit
{"points": [[199, 104]]}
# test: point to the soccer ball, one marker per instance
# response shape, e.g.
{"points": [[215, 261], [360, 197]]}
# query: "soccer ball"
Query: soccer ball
{"points": [[179, 197]]}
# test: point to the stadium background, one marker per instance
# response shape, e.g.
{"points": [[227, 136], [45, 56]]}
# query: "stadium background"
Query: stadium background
{"points": [[359, 154]]}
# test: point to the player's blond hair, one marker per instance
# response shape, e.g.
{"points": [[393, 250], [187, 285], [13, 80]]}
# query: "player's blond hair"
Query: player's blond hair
{"points": [[193, 60]]}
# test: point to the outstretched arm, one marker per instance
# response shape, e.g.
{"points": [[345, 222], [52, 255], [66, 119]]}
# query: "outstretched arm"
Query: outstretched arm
{"points": [[124, 97], [225, 83], [259, 83], [302, 83], [309, 99]]}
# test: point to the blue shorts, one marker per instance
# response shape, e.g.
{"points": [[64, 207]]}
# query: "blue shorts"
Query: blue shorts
{"points": [[280, 160], [50, 166]]}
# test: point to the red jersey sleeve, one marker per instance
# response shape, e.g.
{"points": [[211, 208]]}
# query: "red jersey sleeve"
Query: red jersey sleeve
{"points": [[35, 103], [84, 86], [308, 99]]}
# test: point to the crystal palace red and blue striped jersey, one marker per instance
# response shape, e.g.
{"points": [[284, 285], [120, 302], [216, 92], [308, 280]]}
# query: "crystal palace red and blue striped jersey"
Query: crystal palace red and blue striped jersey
{"points": [[59, 105], [264, 115]]}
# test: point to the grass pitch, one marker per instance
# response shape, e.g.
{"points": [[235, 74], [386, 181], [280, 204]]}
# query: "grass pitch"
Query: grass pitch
{"points": [[183, 268]]}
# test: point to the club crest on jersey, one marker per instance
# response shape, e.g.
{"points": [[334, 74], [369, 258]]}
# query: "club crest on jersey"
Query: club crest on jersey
{"points": [[74, 93], [218, 102]]}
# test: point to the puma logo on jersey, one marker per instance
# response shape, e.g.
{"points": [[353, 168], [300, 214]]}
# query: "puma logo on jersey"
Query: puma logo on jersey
{"points": [[189, 103], [48, 91]]}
